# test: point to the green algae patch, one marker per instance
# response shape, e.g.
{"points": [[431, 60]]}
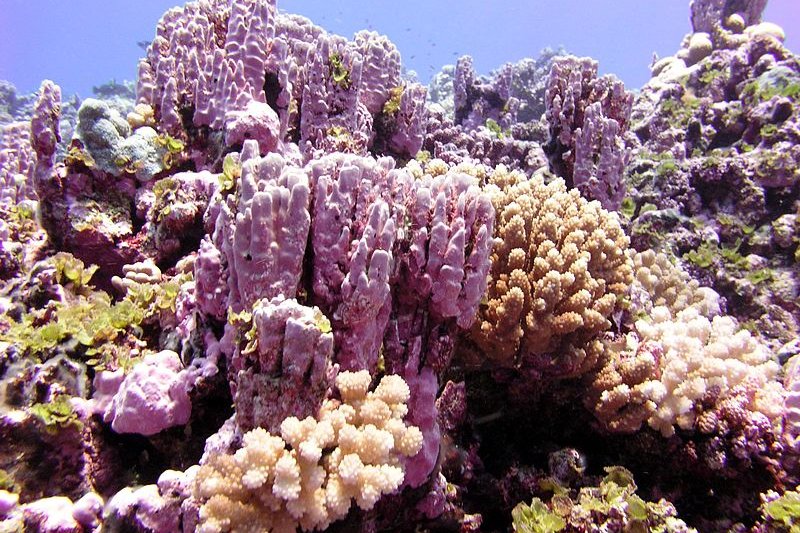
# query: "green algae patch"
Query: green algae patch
{"points": [[785, 510], [392, 105], [56, 414], [88, 325], [536, 518], [339, 73]]}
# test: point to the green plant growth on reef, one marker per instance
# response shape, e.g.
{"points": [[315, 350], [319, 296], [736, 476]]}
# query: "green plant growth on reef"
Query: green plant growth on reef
{"points": [[173, 148], [711, 75], [231, 172], [709, 254], [536, 518], [6, 481], [496, 130], [77, 156], [667, 168], [771, 162], [70, 271], [423, 156], [628, 207], [164, 191], [20, 221], [784, 511], [338, 72], [56, 414], [616, 494], [90, 322], [680, 111], [762, 93], [392, 105], [730, 222], [768, 131]]}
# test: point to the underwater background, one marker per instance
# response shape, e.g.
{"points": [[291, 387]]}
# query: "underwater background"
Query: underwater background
{"points": [[289, 266], [622, 35]]}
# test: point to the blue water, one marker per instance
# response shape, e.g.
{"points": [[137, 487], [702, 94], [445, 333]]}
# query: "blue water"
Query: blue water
{"points": [[84, 43]]}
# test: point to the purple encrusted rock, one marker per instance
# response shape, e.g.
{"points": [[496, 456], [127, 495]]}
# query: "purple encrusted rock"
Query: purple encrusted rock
{"points": [[283, 368], [706, 14], [152, 397]]}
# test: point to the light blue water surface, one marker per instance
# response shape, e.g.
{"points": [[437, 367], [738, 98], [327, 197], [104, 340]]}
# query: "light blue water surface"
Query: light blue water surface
{"points": [[82, 43]]}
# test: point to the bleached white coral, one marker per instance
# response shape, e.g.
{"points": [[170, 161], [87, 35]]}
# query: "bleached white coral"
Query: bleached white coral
{"points": [[663, 372], [700, 355], [659, 282], [310, 475]]}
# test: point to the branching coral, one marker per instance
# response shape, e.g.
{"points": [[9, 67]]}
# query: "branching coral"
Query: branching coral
{"points": [[559, 265], [659, 282], [585, 148], [16, 162], [309, 476], [690, 373]]}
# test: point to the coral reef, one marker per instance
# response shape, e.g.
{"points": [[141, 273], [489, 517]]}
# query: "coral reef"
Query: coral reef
{"points": [[288, 288], [588, 117]]}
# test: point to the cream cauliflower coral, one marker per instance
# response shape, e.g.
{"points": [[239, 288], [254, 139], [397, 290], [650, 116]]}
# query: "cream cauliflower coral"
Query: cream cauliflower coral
{"points": [[309, 475], [658, 281], [687, 372], [559, 266]]}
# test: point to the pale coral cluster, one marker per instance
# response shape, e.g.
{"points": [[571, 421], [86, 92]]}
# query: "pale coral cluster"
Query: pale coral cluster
{"points": [[685, 371], [559, 266], [309, 476], [660, 282]]}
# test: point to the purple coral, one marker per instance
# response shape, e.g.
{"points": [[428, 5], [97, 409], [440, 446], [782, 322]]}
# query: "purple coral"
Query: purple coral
{"points": [[263, 235], [600, 158], [478, 99], [16, 162], [282, 369], [45, 133], [257, 74], [356, 219], [580, 128], [152, 397]]}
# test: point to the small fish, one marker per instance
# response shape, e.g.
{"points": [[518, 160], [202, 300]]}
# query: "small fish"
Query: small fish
{"points": [[143, 44]]}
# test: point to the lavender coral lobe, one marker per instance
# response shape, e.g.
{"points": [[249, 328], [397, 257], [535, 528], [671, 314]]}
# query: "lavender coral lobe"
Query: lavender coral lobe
{"points": [[284, 289]]}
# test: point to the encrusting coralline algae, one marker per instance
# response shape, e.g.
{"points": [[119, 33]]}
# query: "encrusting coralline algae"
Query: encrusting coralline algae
{"points": [[288, 289]]}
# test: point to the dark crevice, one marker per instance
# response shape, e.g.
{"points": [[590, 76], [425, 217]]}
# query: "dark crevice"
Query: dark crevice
{"points": [[272, 89]]}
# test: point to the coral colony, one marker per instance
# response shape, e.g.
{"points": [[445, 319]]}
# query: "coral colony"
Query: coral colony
{"points": [[291, 289]]}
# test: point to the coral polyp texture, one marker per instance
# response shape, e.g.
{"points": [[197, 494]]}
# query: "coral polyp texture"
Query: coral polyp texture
{"points": [[559, 265], [286, 287], [244, 69], [277, 483]]}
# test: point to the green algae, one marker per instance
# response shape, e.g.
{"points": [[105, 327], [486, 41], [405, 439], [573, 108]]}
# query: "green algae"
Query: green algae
{"points": [[392, 105], [88, 325], [785, 510], [339, 73], [57, 413], [616, 493]]}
